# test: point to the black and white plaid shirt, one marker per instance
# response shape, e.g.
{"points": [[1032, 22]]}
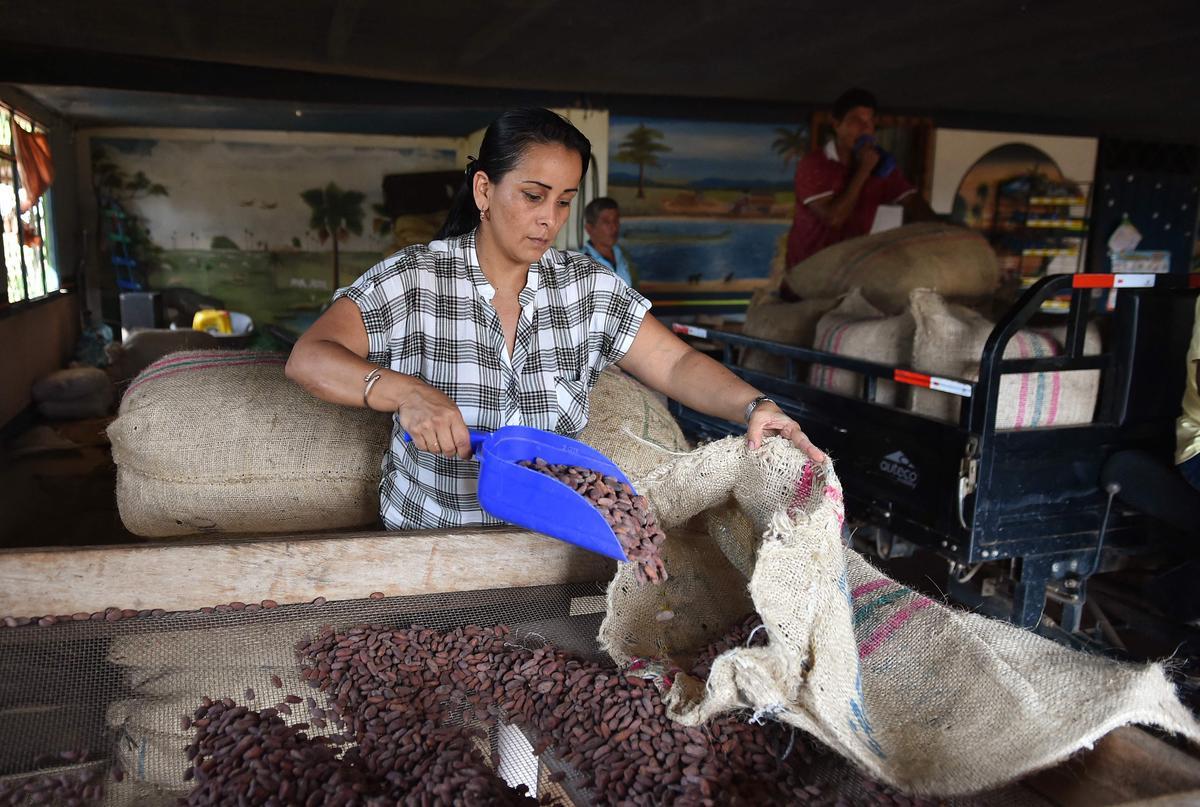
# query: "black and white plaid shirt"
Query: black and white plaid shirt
{"points": [[428, 314]]}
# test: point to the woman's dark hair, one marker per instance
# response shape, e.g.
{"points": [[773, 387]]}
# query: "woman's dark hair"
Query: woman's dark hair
{"points": [[503, 145]]}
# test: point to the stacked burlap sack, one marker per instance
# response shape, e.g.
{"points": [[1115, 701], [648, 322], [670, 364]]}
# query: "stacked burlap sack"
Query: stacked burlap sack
{"points": [[223, 442], [941, 338], [927, 698], [953, 261], [913, 302], [76, 392]]}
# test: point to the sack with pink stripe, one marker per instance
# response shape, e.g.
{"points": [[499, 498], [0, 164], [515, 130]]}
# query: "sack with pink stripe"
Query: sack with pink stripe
{"points": [[221, 441], [949, 341], [927, 698], [860, 330]]}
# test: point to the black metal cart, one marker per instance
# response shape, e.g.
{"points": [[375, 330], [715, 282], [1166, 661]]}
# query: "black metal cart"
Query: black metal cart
{"points": [[1031, 499]]}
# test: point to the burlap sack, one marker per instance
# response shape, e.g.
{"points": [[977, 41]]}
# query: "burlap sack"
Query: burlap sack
{"points": [[859, 330], [927, 698], [949, 341], [790, 323], [630, 424], [168, 673], [71, 384], [144, 347], [769, 291], [954, 261], [95, 405], [222, 441]]}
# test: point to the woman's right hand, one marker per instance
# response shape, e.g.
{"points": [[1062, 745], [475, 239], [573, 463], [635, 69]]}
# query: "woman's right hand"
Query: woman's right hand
{"points": [[433, 421]]}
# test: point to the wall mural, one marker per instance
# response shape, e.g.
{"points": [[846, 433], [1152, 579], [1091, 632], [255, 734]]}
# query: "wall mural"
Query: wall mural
{"points": [[269, 228], [1029, 194], [703, 206]]}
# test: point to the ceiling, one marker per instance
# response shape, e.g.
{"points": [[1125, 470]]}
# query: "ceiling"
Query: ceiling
{"points": [[1099, 66]]}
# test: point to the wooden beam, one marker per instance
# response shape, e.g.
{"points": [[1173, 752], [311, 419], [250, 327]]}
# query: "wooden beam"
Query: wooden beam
{"points": [[187, 575]]}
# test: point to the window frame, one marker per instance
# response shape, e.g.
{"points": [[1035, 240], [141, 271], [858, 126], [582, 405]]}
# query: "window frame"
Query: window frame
{"points": [[41, 218]]}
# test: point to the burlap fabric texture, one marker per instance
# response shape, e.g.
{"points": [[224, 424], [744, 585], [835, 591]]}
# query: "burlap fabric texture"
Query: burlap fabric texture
{"points": [[790, 323], [949, 341], [859, 330], [223, 442], [920, 695], [954, 261], [167, 674], [630, 424]]}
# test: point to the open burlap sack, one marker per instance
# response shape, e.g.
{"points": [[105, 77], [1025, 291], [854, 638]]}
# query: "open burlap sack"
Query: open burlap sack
{"points": [[949, 341], [954, 261], [859, 330], [927, 698], [222, 441], [790, 323]]}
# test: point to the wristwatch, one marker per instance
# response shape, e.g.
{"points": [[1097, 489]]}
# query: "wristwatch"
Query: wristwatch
{"points": [[750, 407]]}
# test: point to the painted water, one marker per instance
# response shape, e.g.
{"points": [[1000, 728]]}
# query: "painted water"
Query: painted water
{"points": [[674, 250]]}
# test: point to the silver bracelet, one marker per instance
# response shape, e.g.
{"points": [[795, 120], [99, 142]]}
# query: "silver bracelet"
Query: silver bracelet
{"points": [[370, 380], [750, 407]]}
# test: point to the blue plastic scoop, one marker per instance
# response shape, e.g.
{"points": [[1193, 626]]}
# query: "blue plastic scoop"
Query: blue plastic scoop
{"points": [[538, 502]]}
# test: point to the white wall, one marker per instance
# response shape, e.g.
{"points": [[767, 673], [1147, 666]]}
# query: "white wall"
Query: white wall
{"points": [[245, 185]]}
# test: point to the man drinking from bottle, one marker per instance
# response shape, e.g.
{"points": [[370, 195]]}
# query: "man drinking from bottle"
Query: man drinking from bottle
{"points": [[840, 188]]}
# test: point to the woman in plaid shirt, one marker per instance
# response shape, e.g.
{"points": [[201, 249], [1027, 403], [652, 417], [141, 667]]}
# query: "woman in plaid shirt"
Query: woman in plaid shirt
{"points": [[490, 325]]}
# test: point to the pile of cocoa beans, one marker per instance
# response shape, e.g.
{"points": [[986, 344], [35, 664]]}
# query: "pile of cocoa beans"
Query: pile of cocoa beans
{"points": [[245, 757], [413, 708], [71, 788], [626, 512]]}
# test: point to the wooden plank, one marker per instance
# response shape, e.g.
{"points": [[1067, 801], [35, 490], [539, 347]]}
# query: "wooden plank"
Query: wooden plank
{"points": [[1129, 765], [180, 576]]}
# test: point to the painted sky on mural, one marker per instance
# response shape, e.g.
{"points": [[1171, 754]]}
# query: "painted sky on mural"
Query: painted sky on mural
{"points": [[250, 192], [704, 149]]}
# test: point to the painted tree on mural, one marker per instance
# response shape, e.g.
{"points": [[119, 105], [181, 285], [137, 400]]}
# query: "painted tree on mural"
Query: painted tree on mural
{"points": [[118, 188], [642, 147], [791, 144], [335, 215]]}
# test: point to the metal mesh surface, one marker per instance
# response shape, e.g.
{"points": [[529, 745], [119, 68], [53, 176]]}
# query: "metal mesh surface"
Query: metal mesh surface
{"points": [[118, 690]]}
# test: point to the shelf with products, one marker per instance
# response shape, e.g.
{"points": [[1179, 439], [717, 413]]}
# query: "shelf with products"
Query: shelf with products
{"points": [[1039, 226]]}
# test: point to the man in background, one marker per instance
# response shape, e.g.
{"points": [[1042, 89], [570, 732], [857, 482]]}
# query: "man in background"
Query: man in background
{"points": [[602, 222], [840, 188]]}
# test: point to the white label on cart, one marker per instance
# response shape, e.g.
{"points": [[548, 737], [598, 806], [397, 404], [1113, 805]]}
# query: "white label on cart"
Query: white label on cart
{"points": [[1133, 281], [952, 387], [692, 330]]}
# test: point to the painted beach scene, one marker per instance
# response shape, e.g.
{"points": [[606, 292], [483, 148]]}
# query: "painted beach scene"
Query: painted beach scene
{"points": [[269, 228], [704, 204]]}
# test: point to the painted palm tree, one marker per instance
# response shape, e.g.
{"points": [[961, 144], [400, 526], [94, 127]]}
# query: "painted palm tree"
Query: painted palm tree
{"points": [[642, 147], [791, 144], [335, 214]]}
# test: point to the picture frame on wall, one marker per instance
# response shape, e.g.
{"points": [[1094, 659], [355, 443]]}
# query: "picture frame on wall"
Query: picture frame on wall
{"points": [[1029, 194]]}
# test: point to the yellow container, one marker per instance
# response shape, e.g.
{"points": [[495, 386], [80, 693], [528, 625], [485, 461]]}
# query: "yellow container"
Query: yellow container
{"points": [[211, 320]]}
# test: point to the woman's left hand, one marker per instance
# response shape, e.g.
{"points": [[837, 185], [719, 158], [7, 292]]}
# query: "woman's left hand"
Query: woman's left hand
{"points": [[768, 419]]}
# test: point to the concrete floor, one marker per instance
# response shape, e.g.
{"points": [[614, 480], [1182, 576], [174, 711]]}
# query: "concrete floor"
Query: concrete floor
{"points": [[60, 496]]}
